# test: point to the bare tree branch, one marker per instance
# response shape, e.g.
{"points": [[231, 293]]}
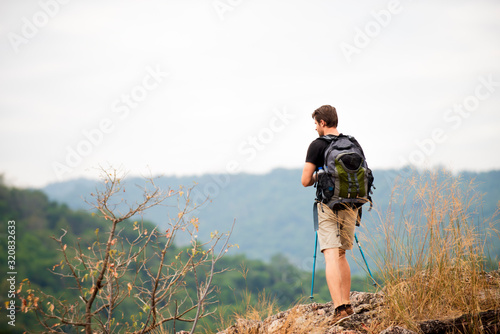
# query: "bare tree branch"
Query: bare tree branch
{"points": [[142, 271]]}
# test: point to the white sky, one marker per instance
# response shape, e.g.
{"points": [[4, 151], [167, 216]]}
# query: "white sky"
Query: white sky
{"points": [[243, 79]]}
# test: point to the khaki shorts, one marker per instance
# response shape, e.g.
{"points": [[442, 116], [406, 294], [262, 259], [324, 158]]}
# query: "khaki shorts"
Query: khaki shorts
{"points": [[336, 228]]}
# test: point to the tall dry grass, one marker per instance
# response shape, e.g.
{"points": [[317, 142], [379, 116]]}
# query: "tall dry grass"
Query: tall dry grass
{"points": [[432, 261], [251, 310]]}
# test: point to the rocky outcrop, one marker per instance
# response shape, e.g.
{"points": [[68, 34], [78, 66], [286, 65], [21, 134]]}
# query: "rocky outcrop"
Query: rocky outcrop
{"points": [[317, 318], [490, 321]]}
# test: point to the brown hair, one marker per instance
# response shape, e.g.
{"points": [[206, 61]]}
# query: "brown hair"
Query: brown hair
{"points": [[328, 114]]}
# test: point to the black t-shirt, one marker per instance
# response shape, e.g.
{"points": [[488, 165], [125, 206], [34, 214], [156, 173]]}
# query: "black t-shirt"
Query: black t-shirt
{"points": [[316, 152]]}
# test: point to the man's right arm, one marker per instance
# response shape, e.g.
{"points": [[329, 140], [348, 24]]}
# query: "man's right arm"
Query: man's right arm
{"points": [[308, 174]]}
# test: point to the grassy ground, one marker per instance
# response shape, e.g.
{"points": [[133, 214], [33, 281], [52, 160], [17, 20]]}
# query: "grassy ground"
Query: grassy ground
{"points": [[433, 261]]}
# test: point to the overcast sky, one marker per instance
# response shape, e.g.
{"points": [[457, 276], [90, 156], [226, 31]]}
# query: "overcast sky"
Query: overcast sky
{"points": [[226, 86]]}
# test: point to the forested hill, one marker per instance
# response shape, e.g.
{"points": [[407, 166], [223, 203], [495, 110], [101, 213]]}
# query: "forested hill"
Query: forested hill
{"points": [[273, 212], [37, 220]]}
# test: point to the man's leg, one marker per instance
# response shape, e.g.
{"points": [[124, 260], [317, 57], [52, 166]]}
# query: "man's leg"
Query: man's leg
{"points": [[338, 275], [345, 271], [336, 229]]}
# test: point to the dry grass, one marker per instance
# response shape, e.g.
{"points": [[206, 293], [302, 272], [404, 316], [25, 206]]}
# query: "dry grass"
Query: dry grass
{"points": [[433, 261], [253, 312], [265, 307]]}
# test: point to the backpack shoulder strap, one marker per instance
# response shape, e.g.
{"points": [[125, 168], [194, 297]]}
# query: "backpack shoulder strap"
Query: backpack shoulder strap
{"points": [[328, 138]]}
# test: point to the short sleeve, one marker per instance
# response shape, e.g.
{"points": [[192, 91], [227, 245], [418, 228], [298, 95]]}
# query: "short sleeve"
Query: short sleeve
{"points": [[316, 152]]}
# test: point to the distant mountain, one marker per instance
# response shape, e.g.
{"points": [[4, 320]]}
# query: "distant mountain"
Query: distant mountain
{"points": [[273, 212]]}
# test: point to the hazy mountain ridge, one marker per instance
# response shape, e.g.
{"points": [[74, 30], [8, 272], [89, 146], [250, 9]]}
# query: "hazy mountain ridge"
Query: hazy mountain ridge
{"points": [[273, 212]]}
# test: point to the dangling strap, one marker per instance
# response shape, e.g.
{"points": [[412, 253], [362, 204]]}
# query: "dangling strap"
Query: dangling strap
{"points": [[338, 223], [315, 216], [360, 214]]}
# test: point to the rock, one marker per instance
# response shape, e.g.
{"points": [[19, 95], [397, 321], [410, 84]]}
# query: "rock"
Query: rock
{"points": [[397, 330], [490, 321], [366, 308], [316, 319]]}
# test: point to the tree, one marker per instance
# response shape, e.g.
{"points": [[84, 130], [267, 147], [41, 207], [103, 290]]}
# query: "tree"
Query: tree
{"points": [[132, 270]]}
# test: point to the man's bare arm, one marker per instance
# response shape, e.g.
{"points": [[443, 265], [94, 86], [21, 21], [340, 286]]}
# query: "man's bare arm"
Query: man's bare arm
{"points": [[308, 174]]}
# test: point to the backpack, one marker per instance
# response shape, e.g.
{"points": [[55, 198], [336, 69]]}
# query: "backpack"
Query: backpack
{"points": [[345, 179]]}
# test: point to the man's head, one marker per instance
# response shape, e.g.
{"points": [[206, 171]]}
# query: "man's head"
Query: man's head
{"points": [[325, 117]]}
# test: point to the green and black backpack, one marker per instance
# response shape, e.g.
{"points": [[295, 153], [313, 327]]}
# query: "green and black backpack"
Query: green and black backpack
{"points": [[345, 179]]}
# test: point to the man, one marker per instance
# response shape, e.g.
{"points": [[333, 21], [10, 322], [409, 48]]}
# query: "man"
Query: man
{"points": [[336, 228]]}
